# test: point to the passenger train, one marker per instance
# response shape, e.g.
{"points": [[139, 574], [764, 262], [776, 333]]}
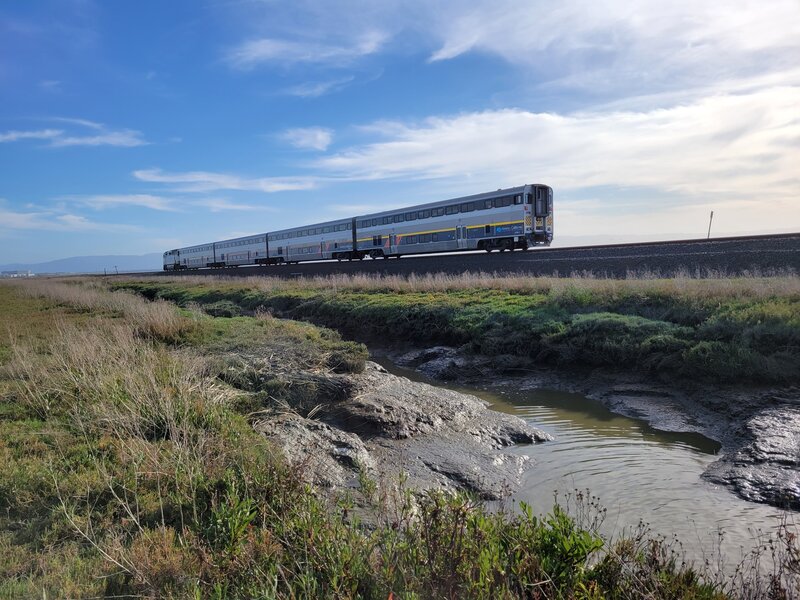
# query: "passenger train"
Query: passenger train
{"points": [[509, 219]]}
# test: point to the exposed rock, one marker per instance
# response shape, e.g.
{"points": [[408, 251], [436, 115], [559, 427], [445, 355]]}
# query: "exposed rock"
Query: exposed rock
{"points": [[766, 467], [440, 362], [389, 425], [325, 456]]}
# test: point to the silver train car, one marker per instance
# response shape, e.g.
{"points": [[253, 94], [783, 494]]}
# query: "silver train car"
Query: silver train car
{"points": [[508, 219]]}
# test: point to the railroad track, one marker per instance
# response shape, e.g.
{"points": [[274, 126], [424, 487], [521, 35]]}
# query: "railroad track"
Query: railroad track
{"points": [[764, 254]]}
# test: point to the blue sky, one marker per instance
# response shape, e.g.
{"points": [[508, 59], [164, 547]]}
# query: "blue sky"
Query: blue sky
{"points": [[133, 127]]}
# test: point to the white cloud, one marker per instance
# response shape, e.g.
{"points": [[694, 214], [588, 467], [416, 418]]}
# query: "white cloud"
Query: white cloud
{"points": [[317, 89], [59, 138], [310, 138], [606, 48], [204, 181], [617, 45], [39, 134], [721, 147], [48, 221], [104, 201], [124, 138], [288, 52], [222, 205], [82, 122]]}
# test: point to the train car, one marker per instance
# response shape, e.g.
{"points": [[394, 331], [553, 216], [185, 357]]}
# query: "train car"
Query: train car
{"points": [[508, 219], [321, 241], [248, 250], [191, 257]]}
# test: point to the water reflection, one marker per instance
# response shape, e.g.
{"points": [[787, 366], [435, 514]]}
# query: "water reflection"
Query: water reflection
{"points": [[638, 472]]}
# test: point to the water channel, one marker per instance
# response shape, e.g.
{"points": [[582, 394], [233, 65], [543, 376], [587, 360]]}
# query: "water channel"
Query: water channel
{"points": [[637, 472]]}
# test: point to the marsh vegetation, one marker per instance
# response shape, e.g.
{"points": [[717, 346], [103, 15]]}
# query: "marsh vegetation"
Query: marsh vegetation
{"points": [[131, 467]]}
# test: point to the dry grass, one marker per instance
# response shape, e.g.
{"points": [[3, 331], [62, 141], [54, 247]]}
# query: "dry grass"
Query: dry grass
{"points": [[160, 320], [685, 285]]}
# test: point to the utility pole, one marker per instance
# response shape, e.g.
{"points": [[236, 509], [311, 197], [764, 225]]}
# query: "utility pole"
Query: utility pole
{"points": [[711, 218], [117, 270]]}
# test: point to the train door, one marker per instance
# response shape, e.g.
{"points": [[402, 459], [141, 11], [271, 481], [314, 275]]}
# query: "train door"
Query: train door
{"points": [[461, 236]]}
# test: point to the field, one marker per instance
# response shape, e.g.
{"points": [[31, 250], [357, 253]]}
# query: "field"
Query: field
{"points": [[131, 468]]}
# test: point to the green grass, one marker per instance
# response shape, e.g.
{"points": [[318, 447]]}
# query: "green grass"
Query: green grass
{"points": [[745, 330], [131, 470]]}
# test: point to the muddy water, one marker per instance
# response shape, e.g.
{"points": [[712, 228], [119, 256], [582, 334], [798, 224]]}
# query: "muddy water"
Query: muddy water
{"points": [[637, 472]]}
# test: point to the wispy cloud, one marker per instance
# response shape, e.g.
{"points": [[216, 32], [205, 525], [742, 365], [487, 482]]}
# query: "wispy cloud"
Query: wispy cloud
{"points": [[223, 205], [50, 85], [257, 52], [315, 89], [82, 122], [308, 138], [205, 181], [125, 138], [720, 146], [58, 138], [603, 48], [38, 134], [106, 201], [49, 221], [645, 44]]}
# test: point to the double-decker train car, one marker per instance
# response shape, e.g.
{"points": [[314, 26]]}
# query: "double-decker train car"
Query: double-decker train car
{"points": [[332, 239], [508, 219]]}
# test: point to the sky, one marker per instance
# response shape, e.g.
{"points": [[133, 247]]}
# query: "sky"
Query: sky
{"points": [[136, 127]]}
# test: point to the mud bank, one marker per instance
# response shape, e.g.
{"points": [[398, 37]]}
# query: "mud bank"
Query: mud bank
{"points": [[758, 428], [383, 426]]}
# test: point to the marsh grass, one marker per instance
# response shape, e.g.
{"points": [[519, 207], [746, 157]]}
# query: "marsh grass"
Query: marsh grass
{"points": [[129, 472], [716, 329], [683, 284]]}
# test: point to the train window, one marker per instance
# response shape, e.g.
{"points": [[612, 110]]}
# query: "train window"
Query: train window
{"points": [[518, 199], [504, 201], [486, 204], [452, 210], [411, 216], [385, 221], [467, 207], [434, 237], [437, 212], [411, 239], [424, 238], [326, 230], [426, 214]]}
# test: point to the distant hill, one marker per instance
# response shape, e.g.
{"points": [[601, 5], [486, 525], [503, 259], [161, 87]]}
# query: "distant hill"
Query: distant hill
{"points": [[92, 264]]}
